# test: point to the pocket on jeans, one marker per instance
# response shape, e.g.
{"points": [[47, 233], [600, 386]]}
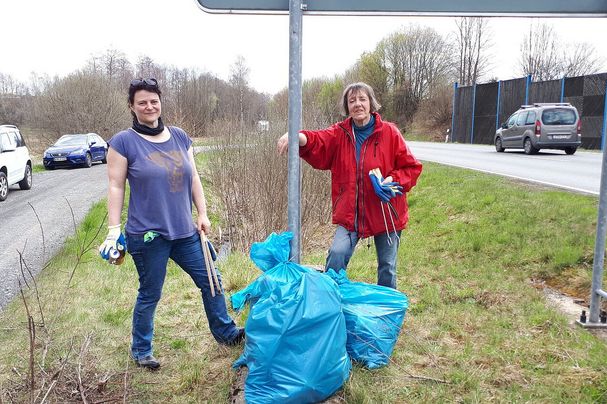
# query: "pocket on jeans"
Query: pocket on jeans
{"points": [[134, 244]]}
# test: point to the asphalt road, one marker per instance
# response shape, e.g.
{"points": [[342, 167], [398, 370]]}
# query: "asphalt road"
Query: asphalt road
{"points": [[579, 173], [51, 196]]}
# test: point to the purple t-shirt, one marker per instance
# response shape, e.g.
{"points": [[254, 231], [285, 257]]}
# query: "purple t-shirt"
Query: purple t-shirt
{"points": [[160, 178]]}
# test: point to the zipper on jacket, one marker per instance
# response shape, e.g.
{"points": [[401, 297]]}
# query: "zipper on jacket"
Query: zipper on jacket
{"points": [[353, 141], [362, 161], [375, 149]]}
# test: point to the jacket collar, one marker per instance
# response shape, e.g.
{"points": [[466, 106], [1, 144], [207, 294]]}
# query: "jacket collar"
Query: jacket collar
{"points": [[347, 123]]}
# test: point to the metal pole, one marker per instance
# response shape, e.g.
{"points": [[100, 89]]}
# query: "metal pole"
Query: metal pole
{"points": [[562, 89], [497, 108], [599, 247], [473, 108], [295, 90], [453, 113], [601, 230], [604, 131], [527, 83]]}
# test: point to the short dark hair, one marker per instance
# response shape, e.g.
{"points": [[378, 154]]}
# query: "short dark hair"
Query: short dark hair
{"points": [[143, 84], [354, 88]]}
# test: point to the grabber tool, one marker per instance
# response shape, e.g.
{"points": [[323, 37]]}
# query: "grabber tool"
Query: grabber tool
{"points": [[208, 260]]}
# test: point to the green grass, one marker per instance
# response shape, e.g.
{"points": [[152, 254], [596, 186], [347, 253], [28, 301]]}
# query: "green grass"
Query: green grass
{"points": [[475, 320]]}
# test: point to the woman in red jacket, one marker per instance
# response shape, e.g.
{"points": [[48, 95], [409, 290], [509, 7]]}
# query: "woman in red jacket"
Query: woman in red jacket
{"points": [[372, 169]]}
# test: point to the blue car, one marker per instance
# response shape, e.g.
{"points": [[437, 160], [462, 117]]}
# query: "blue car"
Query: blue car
{"points": [[76, 151]]}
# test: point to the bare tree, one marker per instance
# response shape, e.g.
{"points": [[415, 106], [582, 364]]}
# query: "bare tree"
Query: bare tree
{"points": [[545, 56], [11, 86], [472, 47], [14, 99], [191, 100], [146, 67], [79, 103], [113, 64], [540, 53], [239, 79], [581, 59]]}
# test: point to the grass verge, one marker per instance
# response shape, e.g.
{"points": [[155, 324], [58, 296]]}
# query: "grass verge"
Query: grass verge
{"points": [[476, 322]]}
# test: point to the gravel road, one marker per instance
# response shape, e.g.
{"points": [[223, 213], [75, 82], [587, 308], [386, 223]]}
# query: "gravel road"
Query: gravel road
{"points": [[52, 194]]}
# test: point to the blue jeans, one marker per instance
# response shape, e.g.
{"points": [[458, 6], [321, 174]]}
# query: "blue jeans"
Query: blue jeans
{"points": [[151, 260], [343, 245]]}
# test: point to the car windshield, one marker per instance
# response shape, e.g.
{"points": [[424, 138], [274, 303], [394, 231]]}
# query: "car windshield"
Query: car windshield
{"points": [[558, 117], [71, 141]]}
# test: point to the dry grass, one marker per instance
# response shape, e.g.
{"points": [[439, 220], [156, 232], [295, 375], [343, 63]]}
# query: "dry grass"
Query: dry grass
{"points": [[250, 180]]}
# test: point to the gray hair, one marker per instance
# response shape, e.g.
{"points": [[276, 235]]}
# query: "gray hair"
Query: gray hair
{"points": [[354, 88]]}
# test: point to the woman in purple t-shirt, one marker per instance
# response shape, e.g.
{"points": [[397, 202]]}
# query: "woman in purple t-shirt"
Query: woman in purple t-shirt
{"points": [[158, 163]]}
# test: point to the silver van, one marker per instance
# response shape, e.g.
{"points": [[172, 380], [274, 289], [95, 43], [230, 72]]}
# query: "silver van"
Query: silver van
{"points": [[541, 126], [15, 161]]}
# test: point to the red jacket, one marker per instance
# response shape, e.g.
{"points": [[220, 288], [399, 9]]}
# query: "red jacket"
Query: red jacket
{"points": [[334, 149]]}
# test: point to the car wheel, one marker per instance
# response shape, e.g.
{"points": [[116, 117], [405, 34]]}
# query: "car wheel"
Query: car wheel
{"points": [[3, 186], [88, 160], [529, 147], [26, 182], [104, 159], [498, 145], [570, 150]]}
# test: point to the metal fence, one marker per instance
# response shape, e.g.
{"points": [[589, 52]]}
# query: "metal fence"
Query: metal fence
{"points": [[478, 110]]}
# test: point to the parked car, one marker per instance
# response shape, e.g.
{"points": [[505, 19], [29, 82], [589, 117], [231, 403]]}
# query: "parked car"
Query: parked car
{"points": [[541, 126], [15, 161], [76, 150]]}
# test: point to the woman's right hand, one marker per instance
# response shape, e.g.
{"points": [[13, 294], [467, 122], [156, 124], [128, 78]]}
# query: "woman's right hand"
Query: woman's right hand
{"points": [[283, 142]]}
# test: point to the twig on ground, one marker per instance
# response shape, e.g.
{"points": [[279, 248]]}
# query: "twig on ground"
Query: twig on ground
{"points": [[126, 377], [31, 328], [56, 375], [83, 351], [428, 379]]}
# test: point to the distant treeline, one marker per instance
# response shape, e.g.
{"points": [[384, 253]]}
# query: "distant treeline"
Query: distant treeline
{"points": [[411, 70]]}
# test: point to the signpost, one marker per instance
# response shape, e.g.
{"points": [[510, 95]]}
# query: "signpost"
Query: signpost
{"points": [[511, 8]]}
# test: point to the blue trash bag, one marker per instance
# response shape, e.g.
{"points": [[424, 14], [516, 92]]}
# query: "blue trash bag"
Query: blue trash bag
{"points": [[374, 316], [296, 332]]}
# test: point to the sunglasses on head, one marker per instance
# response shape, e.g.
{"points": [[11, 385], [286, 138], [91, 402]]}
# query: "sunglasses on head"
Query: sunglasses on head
{"points": [[149, 82]]}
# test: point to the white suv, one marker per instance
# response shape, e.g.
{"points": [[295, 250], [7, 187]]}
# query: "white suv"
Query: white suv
{"points": [[15, 161]]}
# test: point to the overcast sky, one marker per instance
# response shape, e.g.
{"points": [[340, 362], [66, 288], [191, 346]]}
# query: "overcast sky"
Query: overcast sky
{"points": [[57, 37]]}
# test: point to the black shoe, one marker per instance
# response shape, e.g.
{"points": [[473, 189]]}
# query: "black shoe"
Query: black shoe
{"points": [[238, 339], [148, 362]]}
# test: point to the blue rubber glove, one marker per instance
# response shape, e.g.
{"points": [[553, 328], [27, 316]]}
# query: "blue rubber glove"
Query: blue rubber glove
{"points": [[212, 250], [384, 190], [382, 194]]}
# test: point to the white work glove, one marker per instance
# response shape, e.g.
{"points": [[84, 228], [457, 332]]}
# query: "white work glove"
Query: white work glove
{"points": [[110, 242]]}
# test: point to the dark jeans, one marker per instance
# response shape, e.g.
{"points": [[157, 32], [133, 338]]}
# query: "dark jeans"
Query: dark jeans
{"points": [[342, 249], [151, 260]]}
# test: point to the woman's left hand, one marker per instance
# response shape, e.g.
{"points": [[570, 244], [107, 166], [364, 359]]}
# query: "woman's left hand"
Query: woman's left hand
{"points": [[204, 224]]}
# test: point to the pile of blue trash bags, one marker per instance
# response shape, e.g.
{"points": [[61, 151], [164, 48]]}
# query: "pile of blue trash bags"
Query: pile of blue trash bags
{"points": [[304, 327]]}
